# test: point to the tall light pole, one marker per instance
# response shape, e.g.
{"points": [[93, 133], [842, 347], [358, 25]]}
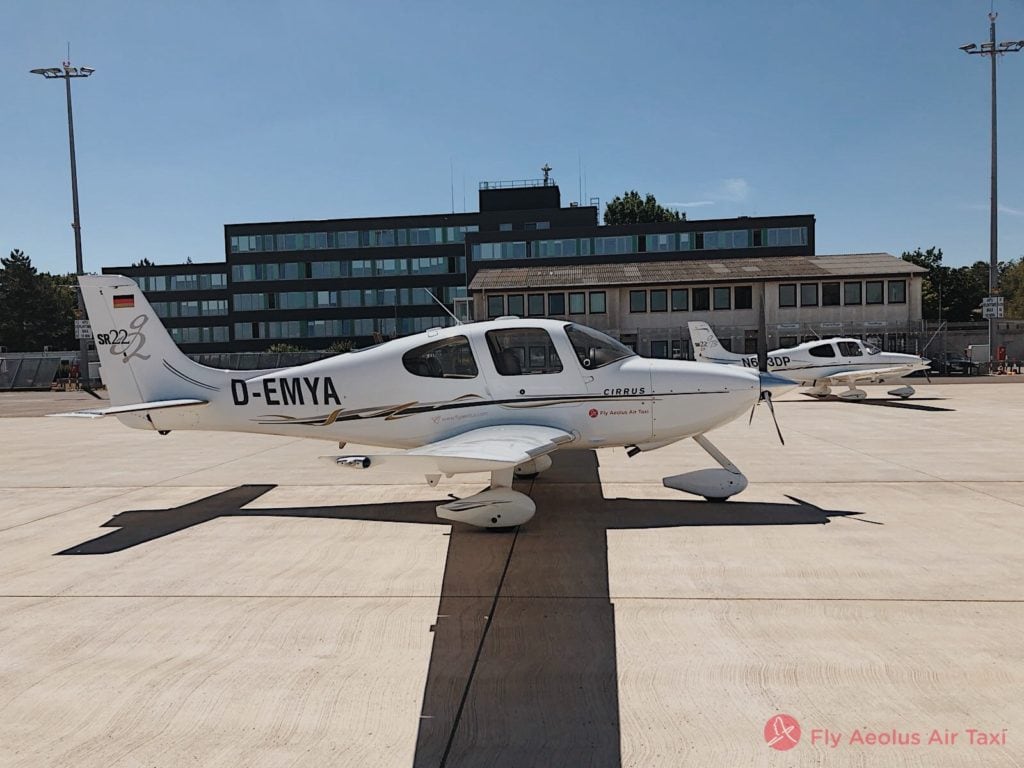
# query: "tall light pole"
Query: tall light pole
{"points": [[992, 50], [65, 72]]}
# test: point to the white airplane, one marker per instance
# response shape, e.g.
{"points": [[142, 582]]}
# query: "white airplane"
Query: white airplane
{"points": [[496, 396], [818, 364]]}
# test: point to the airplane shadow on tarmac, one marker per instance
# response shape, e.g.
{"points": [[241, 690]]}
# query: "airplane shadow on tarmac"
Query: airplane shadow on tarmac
{"points": [[911, 405], [523, 665]]}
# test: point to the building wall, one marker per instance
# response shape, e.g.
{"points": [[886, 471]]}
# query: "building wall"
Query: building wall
{"points": [[888, 323]]}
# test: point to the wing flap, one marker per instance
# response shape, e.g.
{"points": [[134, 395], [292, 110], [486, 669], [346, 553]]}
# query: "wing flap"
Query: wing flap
{"points": [[479, 450], [119, 410]]}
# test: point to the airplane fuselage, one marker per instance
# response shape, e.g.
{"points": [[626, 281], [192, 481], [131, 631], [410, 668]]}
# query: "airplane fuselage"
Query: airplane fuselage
{"points": [[372, 396]]}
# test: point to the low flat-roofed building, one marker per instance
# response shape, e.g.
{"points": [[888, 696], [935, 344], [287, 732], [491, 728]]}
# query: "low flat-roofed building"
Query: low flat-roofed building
{"points": [[647, 304]]}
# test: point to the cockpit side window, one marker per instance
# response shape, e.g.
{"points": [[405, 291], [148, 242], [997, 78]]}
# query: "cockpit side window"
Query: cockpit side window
{"points": [[595, 349], [822, 350], [523, 352], [849, 349], [450, 358]]}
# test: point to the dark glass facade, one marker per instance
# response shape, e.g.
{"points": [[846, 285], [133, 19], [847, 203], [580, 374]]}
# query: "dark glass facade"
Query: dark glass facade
{"points": [[311, 283]]}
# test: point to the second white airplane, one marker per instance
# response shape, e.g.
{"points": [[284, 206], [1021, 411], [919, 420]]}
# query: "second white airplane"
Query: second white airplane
{"points": [[819, 364]]}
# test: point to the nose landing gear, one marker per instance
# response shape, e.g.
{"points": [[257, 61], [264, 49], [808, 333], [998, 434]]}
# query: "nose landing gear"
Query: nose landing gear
{"points": [[713, 484]]}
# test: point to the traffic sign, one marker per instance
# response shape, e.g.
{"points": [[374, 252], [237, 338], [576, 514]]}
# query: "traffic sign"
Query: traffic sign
{"points": [[82, 329]]}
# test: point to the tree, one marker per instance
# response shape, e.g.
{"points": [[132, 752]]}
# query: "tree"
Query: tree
{"points": [[36, 310], [630, 208], [143, 262], [283, 347], [1012, 283], [341, 345], [933, 283]]}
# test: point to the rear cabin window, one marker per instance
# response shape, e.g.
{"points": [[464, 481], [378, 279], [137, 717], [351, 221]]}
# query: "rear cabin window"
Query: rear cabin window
{"points": [[445, 359], [523, 352], [822, 350]]}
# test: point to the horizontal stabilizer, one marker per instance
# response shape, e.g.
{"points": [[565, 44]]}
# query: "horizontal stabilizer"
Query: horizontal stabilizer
{"points": [[119, 410]]}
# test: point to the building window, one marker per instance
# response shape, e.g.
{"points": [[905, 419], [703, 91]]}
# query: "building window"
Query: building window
{"points": [[532, 225], [659, 349], [787, 295], [638, 301], [723, 297], [577, 303], [744, 297], [701, 299], [613, 245], [504, 227], [680, 300], [661, 242], [659, 301], [536, 304], [830, 294], [808, 294], [597, 303], [556, 303], [851, 293], [897, 291], [515, 305], [495, 306], [873, 293]]}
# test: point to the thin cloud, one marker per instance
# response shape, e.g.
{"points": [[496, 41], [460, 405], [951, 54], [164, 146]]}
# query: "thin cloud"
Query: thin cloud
{"points": [[1002, 209], [733, 190]]}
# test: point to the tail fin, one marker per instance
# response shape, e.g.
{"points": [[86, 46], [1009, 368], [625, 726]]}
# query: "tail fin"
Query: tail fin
{"points": [[707, 348], [139, 362]]}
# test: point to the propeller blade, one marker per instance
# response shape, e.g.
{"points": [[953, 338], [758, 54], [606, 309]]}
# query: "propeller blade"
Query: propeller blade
{"points": [[751, 419], [771, 408], [928, 375]]}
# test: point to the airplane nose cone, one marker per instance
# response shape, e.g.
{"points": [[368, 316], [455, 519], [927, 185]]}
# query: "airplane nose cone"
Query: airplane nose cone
{"points": [[778, 385]]}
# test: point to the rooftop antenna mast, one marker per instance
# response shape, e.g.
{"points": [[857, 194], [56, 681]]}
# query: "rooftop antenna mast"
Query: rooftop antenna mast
{"points": [[547, 172]]}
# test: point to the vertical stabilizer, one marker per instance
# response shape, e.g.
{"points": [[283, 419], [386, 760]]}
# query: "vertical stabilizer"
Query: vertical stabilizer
{"points": [[707, 348], [139, 362]]}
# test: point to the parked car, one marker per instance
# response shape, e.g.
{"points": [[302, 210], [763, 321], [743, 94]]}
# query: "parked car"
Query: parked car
{"points": [[955, 365]]}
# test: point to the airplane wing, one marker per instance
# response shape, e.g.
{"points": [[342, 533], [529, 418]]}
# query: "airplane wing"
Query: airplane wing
{"points": [[118, 410], [478, 450], [869, 374]]}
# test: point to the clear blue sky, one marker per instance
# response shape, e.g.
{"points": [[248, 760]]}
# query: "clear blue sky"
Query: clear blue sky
{"points": [[205, 113]]}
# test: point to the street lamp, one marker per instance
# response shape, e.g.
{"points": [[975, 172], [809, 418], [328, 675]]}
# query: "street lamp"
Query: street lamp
{"points": [[65, 72], [991, 49]]}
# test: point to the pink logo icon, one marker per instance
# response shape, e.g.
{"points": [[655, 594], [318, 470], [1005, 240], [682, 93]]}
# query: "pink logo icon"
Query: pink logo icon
{"points": [[593, 413], [782, 732]]}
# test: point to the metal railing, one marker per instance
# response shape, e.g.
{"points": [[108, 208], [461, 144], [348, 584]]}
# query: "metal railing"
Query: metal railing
{"points": [[518, 183]]}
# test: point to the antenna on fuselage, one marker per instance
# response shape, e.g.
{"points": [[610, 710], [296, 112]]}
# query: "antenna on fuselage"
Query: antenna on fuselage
{"points": [[442, 306]]}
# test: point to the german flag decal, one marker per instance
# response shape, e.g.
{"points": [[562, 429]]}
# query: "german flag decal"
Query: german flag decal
{"points": [[124, 302]]}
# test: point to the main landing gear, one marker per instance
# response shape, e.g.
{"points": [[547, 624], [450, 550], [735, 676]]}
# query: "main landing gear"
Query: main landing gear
{"points": [[712, 484], [499, 507]]}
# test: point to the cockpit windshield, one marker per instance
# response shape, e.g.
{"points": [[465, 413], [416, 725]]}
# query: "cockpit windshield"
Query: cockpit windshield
{"points": [[871, 349], [595, 349]]}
